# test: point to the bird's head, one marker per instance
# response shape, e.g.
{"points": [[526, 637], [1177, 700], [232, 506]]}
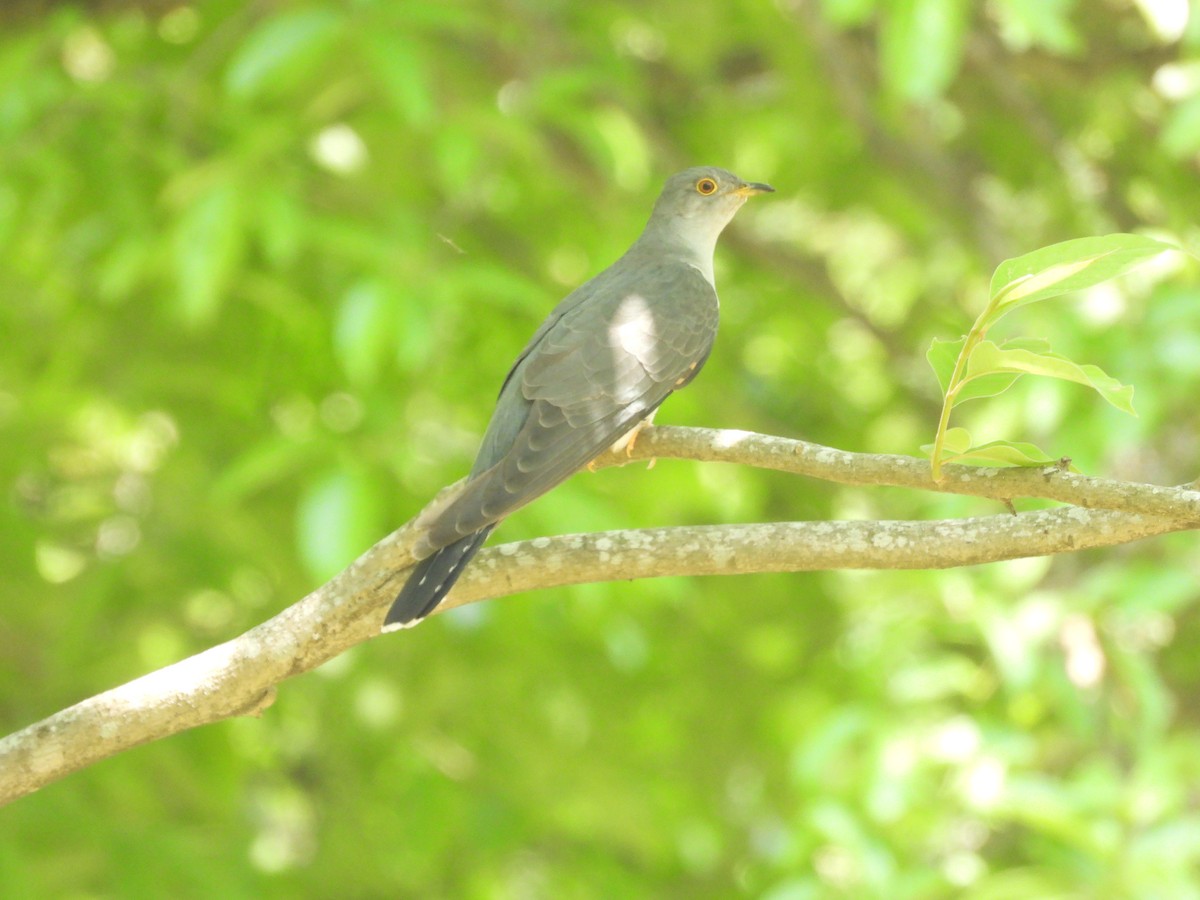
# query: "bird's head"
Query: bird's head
{"points": [[696, 204]]}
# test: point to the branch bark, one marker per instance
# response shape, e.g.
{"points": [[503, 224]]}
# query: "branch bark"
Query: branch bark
{"points": [[239, 677], [765, 451]]}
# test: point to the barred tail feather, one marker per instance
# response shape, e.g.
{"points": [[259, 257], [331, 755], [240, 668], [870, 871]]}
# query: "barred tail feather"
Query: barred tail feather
{"points": [[432, 579]]}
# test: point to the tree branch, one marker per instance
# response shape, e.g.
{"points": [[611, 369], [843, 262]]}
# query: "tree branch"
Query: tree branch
{"points": [[239, 677], [765, 451]]}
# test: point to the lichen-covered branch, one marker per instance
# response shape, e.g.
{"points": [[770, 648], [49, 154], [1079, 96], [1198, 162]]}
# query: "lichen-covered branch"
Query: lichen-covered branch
{"points": [[798, 547], [782, 454], [239, 677]]}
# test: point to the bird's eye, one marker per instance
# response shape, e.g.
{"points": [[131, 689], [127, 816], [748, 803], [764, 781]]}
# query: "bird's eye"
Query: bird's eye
{"points": [[706, 186]]}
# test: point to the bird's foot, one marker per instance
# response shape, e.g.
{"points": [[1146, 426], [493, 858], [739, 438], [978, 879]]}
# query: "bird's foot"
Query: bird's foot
{"points": [[629, 441], [624, 445], [633, 436]]}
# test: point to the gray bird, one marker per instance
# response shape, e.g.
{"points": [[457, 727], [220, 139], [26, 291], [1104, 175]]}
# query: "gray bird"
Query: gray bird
{"points": [[595, 370]]}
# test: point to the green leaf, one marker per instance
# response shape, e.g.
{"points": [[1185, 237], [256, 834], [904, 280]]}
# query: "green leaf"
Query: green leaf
{"points": [[207, 248], [339, 516], [987, 359], [268, 462], [921, 46], [363, 331], [942, 356], [957, 441], [848, 13], [280, 49], [1069, 266], [414, 341], [1033, 344], [401, 72], [626, 144], [1039, 23], [957, 449], [281, 222], [124, 267], [1004, 453], [986, 386], [1180, 135]]}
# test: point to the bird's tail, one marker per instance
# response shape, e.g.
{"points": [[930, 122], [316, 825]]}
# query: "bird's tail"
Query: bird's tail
{"points": [[432, 579]]}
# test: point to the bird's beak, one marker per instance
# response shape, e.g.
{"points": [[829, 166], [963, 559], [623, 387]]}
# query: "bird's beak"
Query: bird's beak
{"points": [[749, 190]]}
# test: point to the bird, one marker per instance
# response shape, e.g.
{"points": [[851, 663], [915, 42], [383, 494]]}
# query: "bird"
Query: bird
{"points": [[593, 373]]}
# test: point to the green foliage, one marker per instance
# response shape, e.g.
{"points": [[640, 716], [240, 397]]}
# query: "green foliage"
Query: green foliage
{"points": [[279, 51], [922, 45], [262, 268], [972, 367]]}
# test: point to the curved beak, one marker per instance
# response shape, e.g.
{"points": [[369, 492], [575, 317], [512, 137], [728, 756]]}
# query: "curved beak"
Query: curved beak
{"points": [[749, 190]]}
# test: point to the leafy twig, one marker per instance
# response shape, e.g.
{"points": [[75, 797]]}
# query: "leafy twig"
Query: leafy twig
{"points": [[983, 369]]}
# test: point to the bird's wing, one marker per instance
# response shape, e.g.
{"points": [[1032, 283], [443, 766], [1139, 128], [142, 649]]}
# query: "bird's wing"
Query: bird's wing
{"points": [[566, 306], [598, 370]]}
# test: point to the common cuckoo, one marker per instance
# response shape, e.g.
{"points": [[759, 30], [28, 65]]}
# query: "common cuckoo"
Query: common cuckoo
{"points": [[595, 370]]}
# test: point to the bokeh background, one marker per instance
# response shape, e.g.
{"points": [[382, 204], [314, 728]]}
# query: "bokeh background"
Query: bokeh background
{"points": [[262, 268]]}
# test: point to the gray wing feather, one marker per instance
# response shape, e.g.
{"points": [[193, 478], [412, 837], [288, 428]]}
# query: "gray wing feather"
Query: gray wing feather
{"points": [[601, 363]]}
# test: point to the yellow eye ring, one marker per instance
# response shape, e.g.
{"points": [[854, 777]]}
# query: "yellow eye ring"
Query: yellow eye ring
{"points": [[706, 186]]}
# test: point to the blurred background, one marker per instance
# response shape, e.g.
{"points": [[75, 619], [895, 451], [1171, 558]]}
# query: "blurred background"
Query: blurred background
{"points": [[262, 269]]}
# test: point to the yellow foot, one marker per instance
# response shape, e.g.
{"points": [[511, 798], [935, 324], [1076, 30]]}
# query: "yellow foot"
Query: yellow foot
{"points": [[625, 443], [629, 441]]}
